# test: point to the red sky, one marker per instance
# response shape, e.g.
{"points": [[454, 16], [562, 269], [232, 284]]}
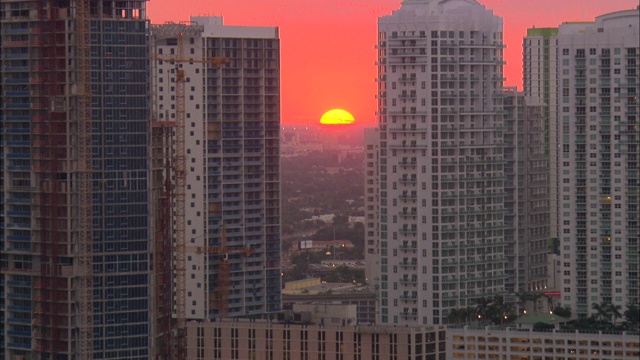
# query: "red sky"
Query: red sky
{"points": [[327, 46]]}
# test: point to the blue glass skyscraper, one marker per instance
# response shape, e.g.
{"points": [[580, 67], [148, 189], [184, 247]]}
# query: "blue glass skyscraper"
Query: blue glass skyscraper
{"points": [[40, 181]]}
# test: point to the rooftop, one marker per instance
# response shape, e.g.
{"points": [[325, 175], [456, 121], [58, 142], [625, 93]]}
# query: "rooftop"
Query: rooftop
{"points": [[534, 318]]}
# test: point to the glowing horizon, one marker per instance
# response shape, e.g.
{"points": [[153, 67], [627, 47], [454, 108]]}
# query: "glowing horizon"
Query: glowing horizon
{"points": [[327, 50]]}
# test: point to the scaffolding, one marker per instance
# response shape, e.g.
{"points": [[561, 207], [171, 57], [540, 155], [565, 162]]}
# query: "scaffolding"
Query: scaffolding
{"points": [[161, 132], [55, 184], [85, 211], [178, 31], [49, 142]]}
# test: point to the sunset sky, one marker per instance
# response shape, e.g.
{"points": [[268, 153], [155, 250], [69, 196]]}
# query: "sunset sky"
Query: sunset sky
{"points": [[327, 46]]}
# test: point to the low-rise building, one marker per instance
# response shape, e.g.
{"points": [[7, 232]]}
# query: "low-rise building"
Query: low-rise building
{"points": [[313, 291], [269, 340], [519, 343], [328, 313]]}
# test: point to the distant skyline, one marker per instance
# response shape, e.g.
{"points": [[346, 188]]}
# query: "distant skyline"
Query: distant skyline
{"points": [[327, 47]]}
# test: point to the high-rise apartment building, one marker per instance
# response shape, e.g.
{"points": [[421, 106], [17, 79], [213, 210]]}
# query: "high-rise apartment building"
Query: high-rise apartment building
{"points": [[595, 95], [526, 201], [441, 164], [372, 206], [539, 81], [232, 197], [76, 247]]}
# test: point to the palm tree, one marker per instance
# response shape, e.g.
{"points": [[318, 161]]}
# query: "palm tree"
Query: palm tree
{"points": [[484, 307], [455, 316], [549, 301], [565, 312], [461, 316], [614, 310], [632, 317], [500, 310], [532, 297], [535, 297], [468, 314], [602, 311]]}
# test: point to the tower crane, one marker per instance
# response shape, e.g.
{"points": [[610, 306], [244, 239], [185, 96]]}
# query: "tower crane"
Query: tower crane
{"points": [[84, 177], [224, 280], [179, 348]]}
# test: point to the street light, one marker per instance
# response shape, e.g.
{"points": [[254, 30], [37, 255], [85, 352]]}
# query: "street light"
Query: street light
{"points": [[333, 247]]}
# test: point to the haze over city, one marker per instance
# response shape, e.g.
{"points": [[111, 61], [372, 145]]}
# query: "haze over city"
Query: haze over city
{"points": [[465, 182], [328, 56]]}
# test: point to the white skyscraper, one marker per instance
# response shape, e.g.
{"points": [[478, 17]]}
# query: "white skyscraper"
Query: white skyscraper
{"points": [[232, 120], [596, 91], [441, 179], [540, 81]]}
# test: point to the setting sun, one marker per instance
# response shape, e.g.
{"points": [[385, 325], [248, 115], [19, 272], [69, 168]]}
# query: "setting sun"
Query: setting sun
{"points": [[336, 116]]}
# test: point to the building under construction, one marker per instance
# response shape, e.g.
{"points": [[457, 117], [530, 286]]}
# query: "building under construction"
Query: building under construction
{"points": [[77, 249], [220, 85]]}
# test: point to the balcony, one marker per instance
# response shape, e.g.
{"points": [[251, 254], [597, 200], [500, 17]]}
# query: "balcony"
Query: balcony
{"points": [[408, 314], [408, 197], [449, 279], [407, 264], [408, 163], [408, 231], [407, 297], [408, 281], [407, 181], [408, 247], [408, 213]]}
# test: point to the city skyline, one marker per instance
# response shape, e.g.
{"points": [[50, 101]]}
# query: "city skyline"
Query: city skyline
{"points": [[147, 167], [344, 35]]}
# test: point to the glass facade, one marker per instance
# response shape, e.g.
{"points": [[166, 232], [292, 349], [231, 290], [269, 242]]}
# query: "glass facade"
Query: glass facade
{"points": [[40, 232], [243, 170]]}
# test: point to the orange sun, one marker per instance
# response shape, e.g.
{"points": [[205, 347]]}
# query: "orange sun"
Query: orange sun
{"points": [[336, 116]]}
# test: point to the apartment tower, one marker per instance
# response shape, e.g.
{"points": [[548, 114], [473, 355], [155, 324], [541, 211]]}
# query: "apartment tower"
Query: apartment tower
{"points": [[526, 186], [596, 116], [540, 81], [76, 247], [597, 96], [232, 197], [441, 165]]}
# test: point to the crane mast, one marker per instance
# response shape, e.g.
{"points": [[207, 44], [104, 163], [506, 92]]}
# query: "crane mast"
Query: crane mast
{"points": [[84, 179], [178, 349], [179, 193]]}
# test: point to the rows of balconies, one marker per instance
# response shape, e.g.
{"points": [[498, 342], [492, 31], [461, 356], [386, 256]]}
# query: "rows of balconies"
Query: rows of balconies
{"points": [[454, 245], [471, 195]]}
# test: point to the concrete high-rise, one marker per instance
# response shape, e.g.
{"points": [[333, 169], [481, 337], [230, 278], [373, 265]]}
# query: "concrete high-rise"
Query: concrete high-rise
{"points": [[232, 120], [539, 81], [372, 206], [441, 164], [595, 95], [68, 86], [526, 186]]}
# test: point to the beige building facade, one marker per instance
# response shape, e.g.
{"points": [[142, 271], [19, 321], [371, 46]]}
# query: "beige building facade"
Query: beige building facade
{"points": [[263, 340], [525, 344]]}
